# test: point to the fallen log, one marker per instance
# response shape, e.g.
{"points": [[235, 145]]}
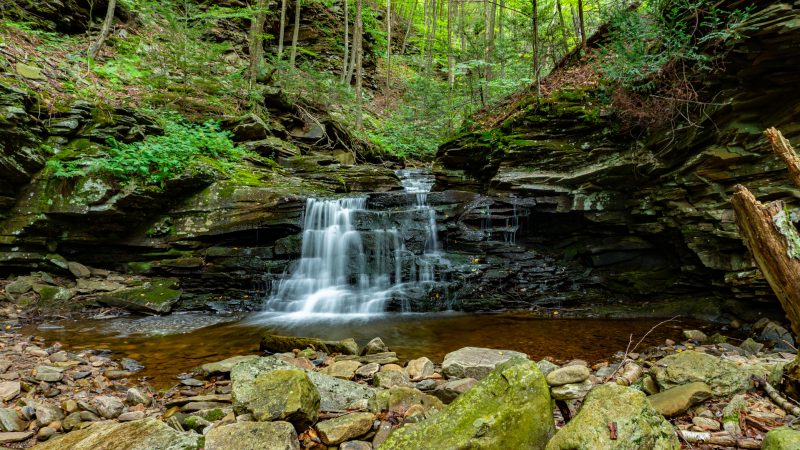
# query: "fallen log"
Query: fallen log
{"points": [[721, 439], [770, 237], [781, 146], [776, 396]]}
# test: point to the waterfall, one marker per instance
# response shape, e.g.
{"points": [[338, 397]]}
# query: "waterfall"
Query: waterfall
{"points": [[354, 260]]}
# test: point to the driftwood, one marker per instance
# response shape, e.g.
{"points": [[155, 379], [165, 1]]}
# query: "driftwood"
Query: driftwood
{"points": [[771, 237], [720, 439], [776, 396]]}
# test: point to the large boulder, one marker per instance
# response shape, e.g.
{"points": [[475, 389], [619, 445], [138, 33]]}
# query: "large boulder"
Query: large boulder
{"points": [[282, 344], [509, 408], [475, 362], [344, 428], [253, 436], [678, 399], [283, 394], [783, 438], [335, 394], [639, 426], [157, 296], [145, 434], [723, 377]]}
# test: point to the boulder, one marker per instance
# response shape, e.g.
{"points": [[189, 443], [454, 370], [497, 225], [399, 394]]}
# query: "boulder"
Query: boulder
{"points": [[376, 345], [448, 392], [283, 394], [155, 297], [11, 421], [344, 428], [78, 270], [572, 391], [46, 414], [109, 407], [680, 398], [391, 378], [342, 369], [510, 408], [419, 368], [368, 370], [475, 362], [777, 336], [568, 375], [639, 426], [283, 344], [783, 438], [401, 399], [695, 335], [145, 434], [253, 436], [335, 394], [723, 377]]}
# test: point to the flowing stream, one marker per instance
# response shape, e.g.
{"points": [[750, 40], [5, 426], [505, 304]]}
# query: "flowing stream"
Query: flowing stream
{"points": [[354, 261]]}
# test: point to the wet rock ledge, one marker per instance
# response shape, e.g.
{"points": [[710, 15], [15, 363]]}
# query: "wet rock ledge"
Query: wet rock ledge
{"points": [[335, 394]]}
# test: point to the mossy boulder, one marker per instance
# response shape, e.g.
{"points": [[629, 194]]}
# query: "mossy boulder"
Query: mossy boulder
{"points": [[281, 344], [145, 434], [783, 438], [281, 395], [509, 408], [639, 426], [680, 398], [401, 399], [253, 436], [723, 377], [157, 296], [53, 296]]}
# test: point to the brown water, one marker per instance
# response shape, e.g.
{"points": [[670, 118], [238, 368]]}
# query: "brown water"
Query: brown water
{"points": [[170, 345]]}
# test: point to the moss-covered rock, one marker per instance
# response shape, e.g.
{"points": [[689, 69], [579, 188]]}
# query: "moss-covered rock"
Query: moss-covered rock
{"points": [[156, 296], [783, 438], [145, 434], [723, 377], [280, 395], [510, 408], [639, 426], [400, 399], [253, 436], [280, 344], [680, 398], [344, 428]]}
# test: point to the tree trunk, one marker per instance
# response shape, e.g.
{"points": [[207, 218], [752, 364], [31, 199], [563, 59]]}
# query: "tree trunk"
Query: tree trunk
{"points": [[782, 147], [283, 29], [451, 60], [536, 69], [408, 28], [563, 27], [388, 47], [295, 34], [431, 40], [256, 66], [359, 51], [346, 43], [771, 249], [502, 56], [582, 23], [94, 48]]}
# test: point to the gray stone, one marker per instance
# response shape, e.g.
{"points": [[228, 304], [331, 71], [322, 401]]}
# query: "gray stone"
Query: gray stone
{"points": [[136, 396], [355, 445], [145, 434], [571, 391], [131, 416], [109, 407], [419, 368], [426, 385], [474, 362], [345, 370], [778, 336], [344, 428], [568, 375], [724, 377], [546, 366], [192, 382], [695, 335], [283, 394], [78, 270], [11, 421], [282, 344], [677, 400], [391, 378], [47, 414], [751, 347], [368, 370], [253, 436], [9, 390], [448, 392], [17, 436], [335, 394], [225, 365], [376, 345]]}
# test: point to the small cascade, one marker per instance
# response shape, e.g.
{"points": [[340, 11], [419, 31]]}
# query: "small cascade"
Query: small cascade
{"points": [[356, 261]]}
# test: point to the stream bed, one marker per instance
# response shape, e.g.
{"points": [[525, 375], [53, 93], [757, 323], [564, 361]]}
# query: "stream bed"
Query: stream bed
{"points": [[174, 344]]}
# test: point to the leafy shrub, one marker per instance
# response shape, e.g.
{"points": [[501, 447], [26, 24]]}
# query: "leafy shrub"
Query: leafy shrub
{"points": [[156, 159]]}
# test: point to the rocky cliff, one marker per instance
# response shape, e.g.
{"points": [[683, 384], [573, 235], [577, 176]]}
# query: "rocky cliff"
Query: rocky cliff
{"points": [[650, 214]]}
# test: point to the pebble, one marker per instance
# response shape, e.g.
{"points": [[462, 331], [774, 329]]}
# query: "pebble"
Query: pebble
{"points": [[192, 382], [80, 375]]}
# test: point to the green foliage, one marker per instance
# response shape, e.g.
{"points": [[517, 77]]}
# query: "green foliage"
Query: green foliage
{"points": [[156, 159]]}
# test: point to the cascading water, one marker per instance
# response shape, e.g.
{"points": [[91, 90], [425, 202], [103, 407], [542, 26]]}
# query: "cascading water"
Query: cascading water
{"points": [[355, 261]]}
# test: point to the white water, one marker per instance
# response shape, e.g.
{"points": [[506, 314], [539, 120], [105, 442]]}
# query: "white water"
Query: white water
{"points": [[346, 271]]}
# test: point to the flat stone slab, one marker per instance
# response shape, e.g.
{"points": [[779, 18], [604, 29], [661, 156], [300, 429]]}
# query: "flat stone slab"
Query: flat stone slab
{"points": [[475, 362]]}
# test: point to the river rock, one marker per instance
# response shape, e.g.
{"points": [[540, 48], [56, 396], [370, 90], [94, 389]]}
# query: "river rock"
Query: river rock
{"points": [[145, 434], [253, 436], [283, 344], [9, 390], [46, 414], [391, 378], [751, 347], [136, 396], [78, 270], [572, 391], [285, 394], [400, 399], [345, 370], [131, 416], [368, 370], [11, 421], [344, 428], [154, 297], [355, 445], [475, 362], [783, 438], [45, 433], [677, 400], [510, 409], [568, 375], [109, 407], [335, 394], [695, 335], [546, 366], [376, 345], [639, 426], [380, 358], [225, 365], [49, 373], [724, 377], [18, 436], [447, 392], [419, 368], [778, 336], [72, 421]]}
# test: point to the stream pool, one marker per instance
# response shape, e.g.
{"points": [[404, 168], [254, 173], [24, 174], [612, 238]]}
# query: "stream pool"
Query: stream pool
{"points": [[170, 345]]}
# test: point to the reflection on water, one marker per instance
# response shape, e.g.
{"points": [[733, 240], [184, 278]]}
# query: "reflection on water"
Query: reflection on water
{"points": [[173, 344]]}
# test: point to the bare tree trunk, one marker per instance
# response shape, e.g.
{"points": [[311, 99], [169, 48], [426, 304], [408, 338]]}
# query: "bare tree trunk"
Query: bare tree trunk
{"points": [[408, 28], [782, 147], [388, 47], [431, 41], [295, 34], [563, 27], [256, 49], [451, 60], [346, 43], [535, 41], [501, 57], [359, 51], [583, 24], [95, 47], [283, 29]]}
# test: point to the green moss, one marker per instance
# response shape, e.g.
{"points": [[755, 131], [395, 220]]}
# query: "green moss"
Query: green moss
{"points": [[137, 267]]}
